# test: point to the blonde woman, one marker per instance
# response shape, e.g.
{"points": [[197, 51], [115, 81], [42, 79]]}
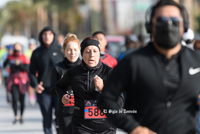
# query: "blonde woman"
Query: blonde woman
{"points": [[71, 50]]}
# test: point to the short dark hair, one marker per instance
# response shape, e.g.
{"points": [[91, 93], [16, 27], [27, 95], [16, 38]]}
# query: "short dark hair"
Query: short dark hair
{"points": [[162, 3], [141, 37], [128, 40], [98, 32]]}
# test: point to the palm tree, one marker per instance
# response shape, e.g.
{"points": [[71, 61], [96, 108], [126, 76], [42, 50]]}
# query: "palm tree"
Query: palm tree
{"points": [[28, 17]]}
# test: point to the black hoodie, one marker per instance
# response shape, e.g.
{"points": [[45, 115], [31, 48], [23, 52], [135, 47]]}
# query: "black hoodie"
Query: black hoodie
{"points": [[43, 59]]}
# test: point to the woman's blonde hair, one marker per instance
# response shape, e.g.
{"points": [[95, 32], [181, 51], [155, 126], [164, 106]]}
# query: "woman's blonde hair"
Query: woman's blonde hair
{"points": [[70, 37]]}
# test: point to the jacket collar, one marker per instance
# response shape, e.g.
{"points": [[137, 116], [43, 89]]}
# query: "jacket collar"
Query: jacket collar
{"points": [[86, 67], [70, 64]]}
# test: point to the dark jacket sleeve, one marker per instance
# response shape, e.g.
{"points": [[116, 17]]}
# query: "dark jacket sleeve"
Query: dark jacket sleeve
{"points": [[120, 100], [33, 69], [24, 67], [63, 84], [54, 78], [118, 81], [5, 63]]}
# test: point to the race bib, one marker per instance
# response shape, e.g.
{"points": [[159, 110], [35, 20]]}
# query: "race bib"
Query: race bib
{"points": [[72, 101], [91, 111]]}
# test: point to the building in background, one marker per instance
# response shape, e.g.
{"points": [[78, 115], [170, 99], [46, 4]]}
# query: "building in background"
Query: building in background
{"points": [[125, 16], [118, 16]]}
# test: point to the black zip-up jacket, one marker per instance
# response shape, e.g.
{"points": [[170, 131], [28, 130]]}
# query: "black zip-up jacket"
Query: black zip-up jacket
{"points": [[58, 71], [140, 75], [81, 79], [43, 59]]}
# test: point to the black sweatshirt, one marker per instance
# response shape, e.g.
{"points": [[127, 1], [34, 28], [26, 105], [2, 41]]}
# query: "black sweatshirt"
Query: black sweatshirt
{"points": [[81, 79], [140, 75], [57, 73], [171, 74], [43, 59]]}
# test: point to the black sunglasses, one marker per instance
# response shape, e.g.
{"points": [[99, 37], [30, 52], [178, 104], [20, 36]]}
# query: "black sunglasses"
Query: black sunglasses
{"points": [[168, 21]]}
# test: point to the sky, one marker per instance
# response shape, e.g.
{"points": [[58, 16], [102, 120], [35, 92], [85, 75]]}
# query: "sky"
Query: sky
{"points": [[3, 2]]}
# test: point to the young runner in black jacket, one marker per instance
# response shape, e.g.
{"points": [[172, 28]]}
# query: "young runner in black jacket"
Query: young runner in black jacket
{"points": [[71, 49], [42, 61], [161, 80], [87, 118]]}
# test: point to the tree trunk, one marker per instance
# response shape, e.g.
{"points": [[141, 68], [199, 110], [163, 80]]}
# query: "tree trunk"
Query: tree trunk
{"points": [[55, 21], [105, 16], [42, 18], [39, 21], [27, 28]]}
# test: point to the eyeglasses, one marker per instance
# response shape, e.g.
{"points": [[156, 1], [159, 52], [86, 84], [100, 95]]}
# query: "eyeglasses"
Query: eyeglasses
{"points": [[168, 21]]}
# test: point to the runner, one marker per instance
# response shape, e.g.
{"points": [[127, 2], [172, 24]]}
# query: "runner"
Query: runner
{"points": [[2, 52], [87, 81], [60, 39], [130, 47], [28, 53], [161, 80], [42, 61], [18, 79], [71, 49], [105, 57], [6, 70]]}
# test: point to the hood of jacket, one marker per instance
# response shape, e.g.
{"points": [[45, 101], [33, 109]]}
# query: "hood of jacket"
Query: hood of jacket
{"points": [[40, 36]]}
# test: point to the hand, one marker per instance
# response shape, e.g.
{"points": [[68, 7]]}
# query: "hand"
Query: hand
{"points": [[98, 82], [142, 130], [39, 89], [17, 62], [66, 99], [198, 102]]}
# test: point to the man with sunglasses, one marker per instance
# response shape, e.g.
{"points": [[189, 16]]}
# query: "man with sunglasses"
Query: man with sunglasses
{"points": [[161, 80]]}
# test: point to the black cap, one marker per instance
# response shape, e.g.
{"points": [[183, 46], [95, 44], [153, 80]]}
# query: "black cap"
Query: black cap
{"points": [[88, 42]]}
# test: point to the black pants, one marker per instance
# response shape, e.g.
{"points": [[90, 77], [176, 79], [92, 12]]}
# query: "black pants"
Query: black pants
{"points": [[47, 104], [82, 126], [17, 97], [64, 124], [6, 81]]}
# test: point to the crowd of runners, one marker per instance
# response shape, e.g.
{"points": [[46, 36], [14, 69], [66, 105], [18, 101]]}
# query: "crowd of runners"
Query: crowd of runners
{"points": [[151, 88]]}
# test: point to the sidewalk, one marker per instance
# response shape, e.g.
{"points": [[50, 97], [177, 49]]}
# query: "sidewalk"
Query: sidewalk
{"points": [[32, 118]]}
